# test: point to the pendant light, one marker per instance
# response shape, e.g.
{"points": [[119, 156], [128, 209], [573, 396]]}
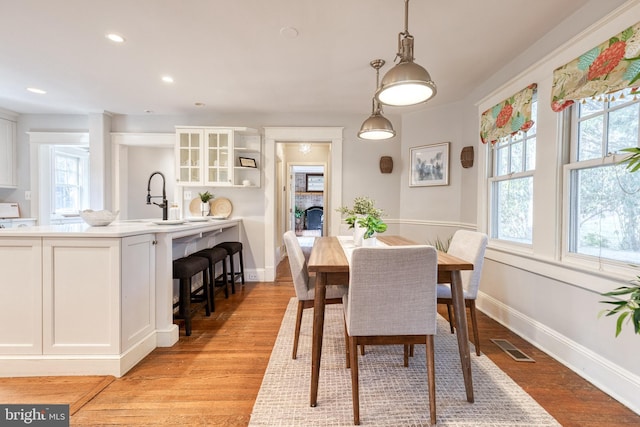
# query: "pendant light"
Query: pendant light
{"points": [[376, 126], [407, 83]]}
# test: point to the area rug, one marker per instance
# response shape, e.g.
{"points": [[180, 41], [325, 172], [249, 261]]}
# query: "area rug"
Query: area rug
{"points": [[390, 394]]}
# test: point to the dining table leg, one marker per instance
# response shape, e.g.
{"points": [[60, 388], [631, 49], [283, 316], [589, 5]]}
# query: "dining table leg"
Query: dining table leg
{"points": [[318, 326], [460, 316]]}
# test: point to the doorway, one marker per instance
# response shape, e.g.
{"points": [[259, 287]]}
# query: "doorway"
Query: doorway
{"points": [[307, 201], [275, 166]]}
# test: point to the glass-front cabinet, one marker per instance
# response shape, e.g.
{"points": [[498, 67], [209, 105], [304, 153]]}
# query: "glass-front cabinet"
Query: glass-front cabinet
{"points": [[217, 167], [218, 156], [188, 156]]}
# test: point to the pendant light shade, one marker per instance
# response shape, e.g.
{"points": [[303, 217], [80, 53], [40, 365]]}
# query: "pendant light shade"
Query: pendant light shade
{"points": [[407, 83], [377, 126]]}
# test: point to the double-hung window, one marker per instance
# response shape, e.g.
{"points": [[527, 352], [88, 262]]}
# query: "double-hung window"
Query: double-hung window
{"points": [[513, 161], [70, 183], [603, 198]]}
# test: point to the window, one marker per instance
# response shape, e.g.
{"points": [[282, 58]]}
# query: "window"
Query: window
{"points": [[511, 185], [70, 179], [603, 198]]}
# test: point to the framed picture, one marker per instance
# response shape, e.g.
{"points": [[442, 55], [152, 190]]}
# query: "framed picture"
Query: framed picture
{"points": [[315, 182], [429, 165], [248, 162]]}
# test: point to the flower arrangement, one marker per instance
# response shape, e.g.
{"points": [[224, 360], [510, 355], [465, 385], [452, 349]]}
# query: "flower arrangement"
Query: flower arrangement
{"points": [[361, 206], [365, 215]]}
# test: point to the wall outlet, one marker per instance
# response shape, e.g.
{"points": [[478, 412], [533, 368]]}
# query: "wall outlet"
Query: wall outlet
{"points": [[27, 195], [187, 195], [253, 276]]}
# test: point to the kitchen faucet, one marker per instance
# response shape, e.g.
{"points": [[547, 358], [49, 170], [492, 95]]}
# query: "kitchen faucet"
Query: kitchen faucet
{"points": [[164, 205]]}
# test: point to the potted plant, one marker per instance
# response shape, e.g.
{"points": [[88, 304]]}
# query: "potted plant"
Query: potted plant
{"points": [[371, 225], [362, 207], [204, 202], [628, 309], [299, 214]]}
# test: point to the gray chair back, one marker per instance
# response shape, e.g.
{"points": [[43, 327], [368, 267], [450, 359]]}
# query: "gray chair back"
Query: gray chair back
{"points": [[470, 246], [392, 291], [298, 265]]}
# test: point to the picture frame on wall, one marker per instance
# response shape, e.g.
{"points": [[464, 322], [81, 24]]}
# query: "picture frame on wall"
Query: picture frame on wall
{"points": [[314, 182], [429, 165], [247, 162]]}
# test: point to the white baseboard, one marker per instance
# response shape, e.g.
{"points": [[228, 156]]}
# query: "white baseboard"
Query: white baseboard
{"points": [[622, 385]]}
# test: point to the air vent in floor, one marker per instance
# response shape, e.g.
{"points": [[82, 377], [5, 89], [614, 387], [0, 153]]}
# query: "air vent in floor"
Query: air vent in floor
{"points": [[512, 350]]}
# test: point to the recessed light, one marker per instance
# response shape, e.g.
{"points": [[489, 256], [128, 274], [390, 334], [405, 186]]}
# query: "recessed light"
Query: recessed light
{"points": [[167, 79], [116, 38], [36, 90], [289, 32]]}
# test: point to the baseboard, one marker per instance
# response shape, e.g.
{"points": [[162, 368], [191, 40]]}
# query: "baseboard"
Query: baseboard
{"points": [[58, 365], [622, 385], [168, 337]]}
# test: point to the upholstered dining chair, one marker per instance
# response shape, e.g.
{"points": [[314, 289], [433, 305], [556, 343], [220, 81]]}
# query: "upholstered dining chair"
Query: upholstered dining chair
{"points": [[391, 300], [469, 246], [304, 284]]}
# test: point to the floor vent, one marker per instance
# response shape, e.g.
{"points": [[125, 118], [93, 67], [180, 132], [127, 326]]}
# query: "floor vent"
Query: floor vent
{"points": [[512, 350]]}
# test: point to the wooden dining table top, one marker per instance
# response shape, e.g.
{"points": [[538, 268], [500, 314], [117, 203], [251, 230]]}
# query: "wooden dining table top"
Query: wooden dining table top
{"points": [[329, 257]]}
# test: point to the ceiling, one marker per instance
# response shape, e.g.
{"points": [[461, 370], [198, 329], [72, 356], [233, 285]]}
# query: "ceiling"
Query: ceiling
{"points": [[230, 55]]}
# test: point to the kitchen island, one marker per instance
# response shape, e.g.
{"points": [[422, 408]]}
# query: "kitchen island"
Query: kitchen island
{"points": [[81, 300]]}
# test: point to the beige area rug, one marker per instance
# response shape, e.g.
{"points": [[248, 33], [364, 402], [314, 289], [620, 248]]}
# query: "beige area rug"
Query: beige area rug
{"points": [[390, 395]]}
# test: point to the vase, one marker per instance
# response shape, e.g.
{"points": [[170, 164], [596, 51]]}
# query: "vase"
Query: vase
{"points": [[204, 208], [370, 242], [358, 233]]}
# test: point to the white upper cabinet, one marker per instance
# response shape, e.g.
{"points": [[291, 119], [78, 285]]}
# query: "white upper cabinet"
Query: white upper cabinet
{"points": [[218, 156], [8, 178]]}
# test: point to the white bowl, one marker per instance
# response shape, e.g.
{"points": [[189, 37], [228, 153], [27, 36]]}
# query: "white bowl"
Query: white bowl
{"points": [[98, 218]]}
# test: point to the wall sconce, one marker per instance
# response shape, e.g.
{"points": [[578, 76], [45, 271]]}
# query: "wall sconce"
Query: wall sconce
{"points": [[466, 157], [386, 164]]}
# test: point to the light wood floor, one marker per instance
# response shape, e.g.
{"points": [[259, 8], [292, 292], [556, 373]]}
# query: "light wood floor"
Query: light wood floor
{"points": [[212, 377]]}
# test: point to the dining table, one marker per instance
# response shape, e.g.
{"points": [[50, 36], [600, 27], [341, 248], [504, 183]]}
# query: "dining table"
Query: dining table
{"points": [[330, 264]]}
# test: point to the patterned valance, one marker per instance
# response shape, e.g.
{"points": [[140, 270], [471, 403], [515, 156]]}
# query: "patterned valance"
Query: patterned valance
{"points": [[508, 117], [609, 67]]}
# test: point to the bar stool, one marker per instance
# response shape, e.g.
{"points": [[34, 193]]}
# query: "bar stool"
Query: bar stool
{"points": [[184, 269], [233, 248], [214, 256]]}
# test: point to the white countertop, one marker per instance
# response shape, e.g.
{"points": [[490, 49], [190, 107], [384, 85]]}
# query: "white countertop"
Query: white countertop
{"points": [[119, 229]]}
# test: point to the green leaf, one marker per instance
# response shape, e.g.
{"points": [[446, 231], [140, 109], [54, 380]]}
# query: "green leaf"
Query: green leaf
{"points": [[585, 61], [632, 71], [619, 323], [627, 34]]}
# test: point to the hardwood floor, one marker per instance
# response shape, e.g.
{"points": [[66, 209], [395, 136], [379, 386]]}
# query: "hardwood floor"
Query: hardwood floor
{"points": [[212, 377]]}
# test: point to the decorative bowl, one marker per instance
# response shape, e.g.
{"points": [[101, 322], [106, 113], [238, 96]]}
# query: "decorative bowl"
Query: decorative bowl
{"points": [[98, 218]]}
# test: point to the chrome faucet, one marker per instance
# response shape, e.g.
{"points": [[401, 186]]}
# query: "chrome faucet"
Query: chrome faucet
{"points": [[164, 205]]}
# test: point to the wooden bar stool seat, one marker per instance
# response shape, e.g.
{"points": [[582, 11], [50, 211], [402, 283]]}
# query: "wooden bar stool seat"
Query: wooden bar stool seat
{"points": [[191, 300], [233, 248], [215, 256]]}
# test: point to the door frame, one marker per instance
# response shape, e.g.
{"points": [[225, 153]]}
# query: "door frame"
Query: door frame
{"points": [[332, 135]]}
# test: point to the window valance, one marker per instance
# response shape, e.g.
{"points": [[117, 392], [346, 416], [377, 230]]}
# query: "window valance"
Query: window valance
{"points": [[508, 117], [608, 67]]}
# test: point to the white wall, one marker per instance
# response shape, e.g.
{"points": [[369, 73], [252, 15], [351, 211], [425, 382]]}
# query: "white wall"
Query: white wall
{"points": [[534, 291]]}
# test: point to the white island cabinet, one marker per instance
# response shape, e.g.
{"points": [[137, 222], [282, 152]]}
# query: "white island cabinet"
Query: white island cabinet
{"points": [[80, 300]]}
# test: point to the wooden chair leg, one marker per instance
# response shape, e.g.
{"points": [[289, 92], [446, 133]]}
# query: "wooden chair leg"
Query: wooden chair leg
{"points": [[431, 379], [347, 345], [355, 392], [474, 325], [450, 315], [297, 333], [406, 355]]}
